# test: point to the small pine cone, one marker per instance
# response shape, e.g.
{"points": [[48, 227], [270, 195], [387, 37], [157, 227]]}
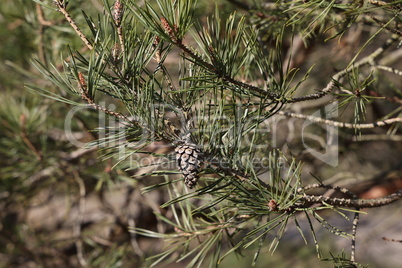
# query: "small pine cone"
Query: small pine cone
{"points": [[82, 84], [168, 29], [118, 12], [187, 156], [115, 53]]}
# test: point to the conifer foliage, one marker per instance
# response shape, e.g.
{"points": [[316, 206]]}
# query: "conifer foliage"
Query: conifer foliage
{"points": [[197, 90]]}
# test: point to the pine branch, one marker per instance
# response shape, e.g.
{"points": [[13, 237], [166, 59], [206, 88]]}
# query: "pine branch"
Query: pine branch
{"points": [[41, 31], [388, 69], [333, 123], [198, 60], [330, 86], [354, 232], [62, 8], [209, 87], [385, 25], [263, 93], [331, 187], [392, 240], [397, 7], [350, 203], [84, 94], [259, 92]]}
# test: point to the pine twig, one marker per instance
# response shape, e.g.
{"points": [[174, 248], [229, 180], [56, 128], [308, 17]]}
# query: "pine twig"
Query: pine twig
{"points": [[388, 69], [263, 93], [356, 214], [319, 120], [392, 240], [178, 42], [350, 203], [379, 3], [366, 60], [332, 187], [41, 31], [256, 90], [385, 25], [62, 8], [84, 94], [354, 232]]}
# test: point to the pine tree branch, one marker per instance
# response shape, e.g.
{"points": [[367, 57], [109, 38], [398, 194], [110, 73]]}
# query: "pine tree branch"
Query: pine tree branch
{"points": [[178, 42], [385, 25], [41, 31], [366, 60], [62, 8], [354, 232], [356, 214], [256, 90], [319, 120], [82, 85], [392, 240], [397, 7], [336, 188], [350, 203], [263, 93], [388, 69]]}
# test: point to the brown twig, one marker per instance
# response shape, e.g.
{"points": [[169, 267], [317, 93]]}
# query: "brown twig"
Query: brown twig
{"points": [[62, 8], [263, 93], [178, 42], [158, 59], [366, 60], [43, 23], [332, 187], [395, 7], [385, 24], [394, 99], [392, 240], [82, 85], [84, 94], [41, 31]]}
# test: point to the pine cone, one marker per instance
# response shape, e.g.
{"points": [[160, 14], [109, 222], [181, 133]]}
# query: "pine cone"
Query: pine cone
{"points": [[118, 12], [187, 156]]}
